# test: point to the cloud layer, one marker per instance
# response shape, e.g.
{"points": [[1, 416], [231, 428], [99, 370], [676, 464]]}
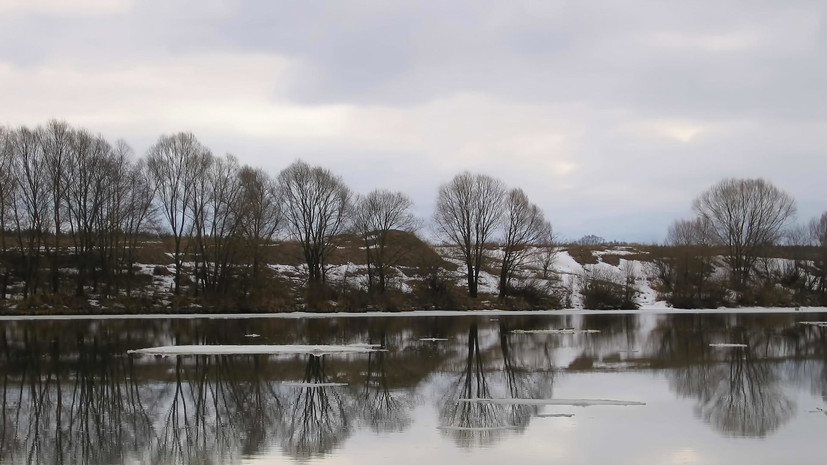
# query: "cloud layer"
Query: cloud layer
{"points": [[612, 116]]}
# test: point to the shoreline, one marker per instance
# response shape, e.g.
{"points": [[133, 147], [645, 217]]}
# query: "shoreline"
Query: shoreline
{"points": [[413, 313]]}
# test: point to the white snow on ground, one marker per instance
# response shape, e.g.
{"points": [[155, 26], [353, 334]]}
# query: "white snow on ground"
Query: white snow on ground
{"points": [[257, 349], [727, 345], [565, 273], [571, 402]]}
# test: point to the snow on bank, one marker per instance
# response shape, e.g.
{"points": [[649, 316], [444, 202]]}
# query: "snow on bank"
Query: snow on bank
{"points": [[293, 349]]}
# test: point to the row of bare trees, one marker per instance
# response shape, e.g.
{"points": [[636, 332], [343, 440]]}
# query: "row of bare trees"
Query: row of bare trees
{"points": [[71, 200], [74, 209], [62, 189], [218, 212], [476, 212], [744, 221]]}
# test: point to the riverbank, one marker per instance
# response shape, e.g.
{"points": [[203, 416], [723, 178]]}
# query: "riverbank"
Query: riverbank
{"points": [[418, 313]]}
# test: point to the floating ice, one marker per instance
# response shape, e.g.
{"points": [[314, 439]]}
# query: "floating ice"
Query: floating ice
{"points": [[572, 402], [258, 349], [252, 335], [555, 415], [433, 339], [556, 331], [727, 345], [822, 324], [299, 384], [475, 428]]}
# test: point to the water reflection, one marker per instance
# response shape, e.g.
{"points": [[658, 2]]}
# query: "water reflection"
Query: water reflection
{"points": [[71, 395], [484, 376], [737, 389], [382, 410]]}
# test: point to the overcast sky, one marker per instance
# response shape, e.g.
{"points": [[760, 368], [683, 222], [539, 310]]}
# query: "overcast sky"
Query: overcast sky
{"points": [[611, 115]]}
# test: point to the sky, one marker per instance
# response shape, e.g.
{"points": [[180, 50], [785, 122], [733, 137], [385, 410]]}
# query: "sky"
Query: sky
{"points": [[611, 115]]}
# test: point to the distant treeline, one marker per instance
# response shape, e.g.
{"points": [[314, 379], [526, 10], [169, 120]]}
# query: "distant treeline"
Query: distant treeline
{"points": [[76, 210]]}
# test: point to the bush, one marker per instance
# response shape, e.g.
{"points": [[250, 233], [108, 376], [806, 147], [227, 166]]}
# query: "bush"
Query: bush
{"points": [[537, 294], [607, 290], [439, 290], [161, 271]]}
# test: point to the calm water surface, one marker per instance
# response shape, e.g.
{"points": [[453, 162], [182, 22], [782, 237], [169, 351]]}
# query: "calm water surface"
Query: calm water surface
{"points": [[71, 394]]}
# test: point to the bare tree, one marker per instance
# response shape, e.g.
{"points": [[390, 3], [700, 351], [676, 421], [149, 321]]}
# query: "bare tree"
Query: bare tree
{"points": [[686, 265], [124, 213], [525, 227], [548, 250], [55, 138], [217, 220], [377, 216], [468, 213], [87, 179], [137, 214], [260, 211], [591, 239], [7, 185], [199, 200], [31, 202], [316, 204], [694, 232], [745, 215], [172, 164], [818, 236]]}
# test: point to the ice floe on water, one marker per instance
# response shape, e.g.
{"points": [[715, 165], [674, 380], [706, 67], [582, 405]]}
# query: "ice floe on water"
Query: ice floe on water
{"points": [[252, 335], [258, 349], [300, 384], [571, 402], [476, 428], [822, 324], [555, 415], [727, 345], [433, 339], [555, 331]]}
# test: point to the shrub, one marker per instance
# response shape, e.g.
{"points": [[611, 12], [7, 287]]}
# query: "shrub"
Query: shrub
{"points": [[604, 289]]}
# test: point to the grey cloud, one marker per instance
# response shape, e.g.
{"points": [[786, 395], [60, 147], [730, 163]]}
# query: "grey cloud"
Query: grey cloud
{"points": [[750, 72]]}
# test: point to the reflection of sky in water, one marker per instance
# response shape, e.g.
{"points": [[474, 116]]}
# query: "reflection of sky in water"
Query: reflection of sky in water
{"points": [[665, 431], [703, 405]]}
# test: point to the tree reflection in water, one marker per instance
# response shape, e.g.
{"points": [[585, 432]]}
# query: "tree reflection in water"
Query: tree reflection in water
{"points": [[381, 409], [316, 419], [79, 400], [737, 392], [209, 410], [479, 423], [86, 410]]}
